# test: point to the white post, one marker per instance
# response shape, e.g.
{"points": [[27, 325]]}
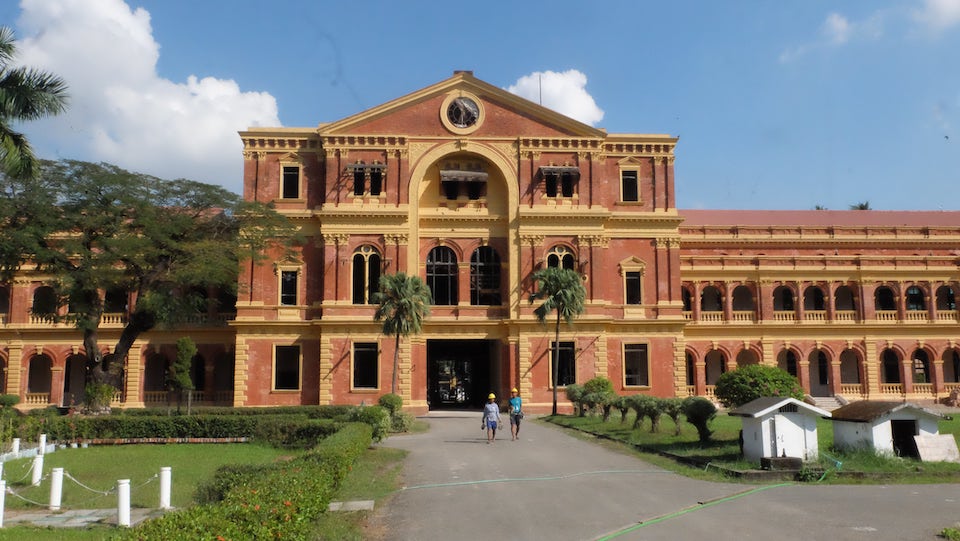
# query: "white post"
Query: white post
{"points": [[56, 488], [1, 470], [3, 496], [16, 447], [43, 444], [37, 470], [165, 487], [123, 502]]}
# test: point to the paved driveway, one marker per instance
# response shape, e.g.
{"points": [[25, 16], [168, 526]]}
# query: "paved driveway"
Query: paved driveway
{"points": [[550, 485]]}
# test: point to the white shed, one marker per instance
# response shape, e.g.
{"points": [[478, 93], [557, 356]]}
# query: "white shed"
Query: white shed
{"points": [[887, 427], [777, 427]]}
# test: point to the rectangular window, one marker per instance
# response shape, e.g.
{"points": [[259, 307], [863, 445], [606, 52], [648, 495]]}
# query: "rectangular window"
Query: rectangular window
{"points": [[629, 186], [366, 365], [567, 181], [359, 181], [632, 285], [288, 288], [286, 368], [550, 184], [566, 363], [635, 366], [290, 188], [376, 181]]}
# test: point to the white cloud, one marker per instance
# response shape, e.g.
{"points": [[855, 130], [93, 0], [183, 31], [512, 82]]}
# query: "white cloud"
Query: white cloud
{"points": [[836, 28], [938, 15], [836, 31], [121, 111], [564, 92]]}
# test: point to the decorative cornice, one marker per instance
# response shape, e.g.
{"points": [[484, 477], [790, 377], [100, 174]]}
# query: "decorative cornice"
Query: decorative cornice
{"points": [[335, 238], [397, 238], [532, 240]]}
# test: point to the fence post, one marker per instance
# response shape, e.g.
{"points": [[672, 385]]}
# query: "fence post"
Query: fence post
{"points": [[16, 447], [37, 470], [165, 487], [123, 502], [43, 444], [56, 488], [3, 496]]}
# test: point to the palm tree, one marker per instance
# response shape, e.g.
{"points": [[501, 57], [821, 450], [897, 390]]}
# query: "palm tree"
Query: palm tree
{"points": [[25, 94], [404, 303], [561, 290]]}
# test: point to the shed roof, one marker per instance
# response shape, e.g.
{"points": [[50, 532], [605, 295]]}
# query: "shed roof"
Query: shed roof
{"points": [[768, 404], [865, 411]]}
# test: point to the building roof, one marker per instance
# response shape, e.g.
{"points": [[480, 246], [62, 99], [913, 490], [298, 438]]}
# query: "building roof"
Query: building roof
{"points": [[865, 411], [768, 404], [842, 218]]}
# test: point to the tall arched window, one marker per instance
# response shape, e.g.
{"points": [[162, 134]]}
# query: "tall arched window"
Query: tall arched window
{"points": [[843, 299], [890, 367], [946, 298], [787, 361], [115, 301], [366, 274], [711, 300], [915, 299], [885, 299], [442, 276], [485, 277], [44, 301], [743, 299], [783, 299], [562, 257], [813, 299]]}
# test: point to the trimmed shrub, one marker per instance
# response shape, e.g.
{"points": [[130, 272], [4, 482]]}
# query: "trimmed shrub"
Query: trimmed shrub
{"points": [[747, 383], [401, 422], [623, 404], [574, 394], [699, 412], [375, 416], [673, 408], [392, 402]]}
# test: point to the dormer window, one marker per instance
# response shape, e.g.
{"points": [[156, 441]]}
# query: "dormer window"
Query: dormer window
{"points": [[559, 181], [463, 179]]}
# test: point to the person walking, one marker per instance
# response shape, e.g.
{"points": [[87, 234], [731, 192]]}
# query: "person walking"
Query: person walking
{"points": [[491, 418], [516, 413]]}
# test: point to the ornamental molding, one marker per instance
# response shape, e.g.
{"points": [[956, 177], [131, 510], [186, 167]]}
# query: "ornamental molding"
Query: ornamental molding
{"points": [[335, 238], [599, 241], [532, 240], [277, 144], [397, 238]]}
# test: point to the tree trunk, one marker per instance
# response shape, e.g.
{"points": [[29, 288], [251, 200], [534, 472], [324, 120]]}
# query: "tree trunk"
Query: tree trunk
{"points": [[396, 364], [555, 362]]}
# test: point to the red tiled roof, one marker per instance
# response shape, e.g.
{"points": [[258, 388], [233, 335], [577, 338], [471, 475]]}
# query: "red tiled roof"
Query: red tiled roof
{"points": [[948, 218]]}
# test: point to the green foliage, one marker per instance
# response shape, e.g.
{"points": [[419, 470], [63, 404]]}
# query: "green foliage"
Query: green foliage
{"points": [[392, 402], [950, 534], [673, 408], [401, 422], [598, 384], [97, 396], [376, 417], [623, 404], [699, 412], [647, 407], [9, 400], [179, 376], [575, 394], [747, 383]]}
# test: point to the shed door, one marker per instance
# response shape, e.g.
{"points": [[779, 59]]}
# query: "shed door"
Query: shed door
{"points": [[903, 432]]}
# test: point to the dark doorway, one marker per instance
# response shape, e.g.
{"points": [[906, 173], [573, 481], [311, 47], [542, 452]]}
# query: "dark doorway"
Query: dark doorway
{"points": [[903, 443], [460, 373]]}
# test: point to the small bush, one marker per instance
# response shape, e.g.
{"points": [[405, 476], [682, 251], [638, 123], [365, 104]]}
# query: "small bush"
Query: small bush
{"points": [[401, 422], [747, 383], [375, 416], [699, 412], [673, 408], [97, 396], [9, 400], [599, 385], [575, 394], [393, 403]]}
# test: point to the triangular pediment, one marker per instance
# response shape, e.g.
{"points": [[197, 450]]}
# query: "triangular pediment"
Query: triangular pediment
{"points": [[419, 114]]}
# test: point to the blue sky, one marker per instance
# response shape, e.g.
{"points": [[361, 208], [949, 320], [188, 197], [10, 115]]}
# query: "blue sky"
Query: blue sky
{"points": [[778, 105]]}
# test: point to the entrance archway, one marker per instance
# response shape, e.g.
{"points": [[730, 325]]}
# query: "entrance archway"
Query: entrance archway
{"points": [[460, 373]]}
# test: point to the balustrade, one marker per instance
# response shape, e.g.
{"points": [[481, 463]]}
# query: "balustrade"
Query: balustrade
{"points": [[784, 315], [711, 317], [36, 399], [887, 316], [691, 390], [923, 388], [915, 315], [845, 316], [854, 390], [891, 388], [818, 316], [688, 315], [744, 316], [709, 392], [950, 316]]}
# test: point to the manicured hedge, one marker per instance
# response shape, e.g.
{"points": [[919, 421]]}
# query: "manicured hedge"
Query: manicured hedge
{"points": [[280, 501]]}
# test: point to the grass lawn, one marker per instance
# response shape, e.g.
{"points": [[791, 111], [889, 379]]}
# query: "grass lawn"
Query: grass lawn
{"points": [[99, 468], [723, 449]]}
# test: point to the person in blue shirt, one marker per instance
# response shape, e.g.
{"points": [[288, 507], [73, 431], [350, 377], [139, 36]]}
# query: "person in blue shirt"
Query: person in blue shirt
{"points": [[491, 418], [516, 413]]}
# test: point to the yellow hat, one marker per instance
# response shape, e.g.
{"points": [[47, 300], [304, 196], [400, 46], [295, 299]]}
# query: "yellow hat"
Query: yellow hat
{"points": [[491, 395], [514, 390]]}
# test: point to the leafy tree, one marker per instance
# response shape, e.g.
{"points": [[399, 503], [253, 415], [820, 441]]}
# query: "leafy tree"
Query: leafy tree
{"points": [[623, 404], [747, 383], [25, 94], [562, 291], [404, 304], [699, 412], [673, 408], [575, 394], [96, 228], [178, 379], [862, 205]]}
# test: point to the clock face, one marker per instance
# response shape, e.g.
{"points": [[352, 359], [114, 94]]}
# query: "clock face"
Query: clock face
{"points": [[463, 112]]}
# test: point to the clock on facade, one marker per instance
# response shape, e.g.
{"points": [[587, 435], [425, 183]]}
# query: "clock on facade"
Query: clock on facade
{"points": [[463, 112]]}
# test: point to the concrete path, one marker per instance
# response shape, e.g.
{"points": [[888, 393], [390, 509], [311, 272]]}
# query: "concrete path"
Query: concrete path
{"points": [[550, 485]]}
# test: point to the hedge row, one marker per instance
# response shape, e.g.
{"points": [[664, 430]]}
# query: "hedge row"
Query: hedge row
{"points": [[277, 501]]}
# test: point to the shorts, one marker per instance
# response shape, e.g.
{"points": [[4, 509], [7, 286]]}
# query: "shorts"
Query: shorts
{"points": [[515, 419], [491, 425]]}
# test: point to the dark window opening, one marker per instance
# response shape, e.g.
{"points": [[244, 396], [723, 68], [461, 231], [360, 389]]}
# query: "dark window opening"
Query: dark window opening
{"points": [[823, 371], [629, 186], [885, 299], [366, 365], [366, 275], [442, 276], [485, 277], [291, 182], [288, 288], [890, 368], [359, 181], [562, 258], [376, 181], [286, 373], [915, 300], [115, 301], [633, 287], [566, 365], [783, 299], [636, 373], [44, 301]]}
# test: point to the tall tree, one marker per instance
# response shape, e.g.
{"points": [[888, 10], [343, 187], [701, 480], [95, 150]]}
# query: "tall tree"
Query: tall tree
{"points": [[562, 291], [404, 302], [178, 378], [862, 205], [25, 94], [96, 228]]}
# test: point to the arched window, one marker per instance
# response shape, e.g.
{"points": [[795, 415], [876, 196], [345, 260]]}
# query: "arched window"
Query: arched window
{"points": [[691, 374], [442, 276], [39, 376], [890, 367], [915, 299], [884, 299], [562, 257], [711, 300], [687, 299], [946, 298], [783, 299], [787, 361], [4, 300], [44, 301], [813, 299], [843, 299], [156, 369], [715, 364], [366, 274], [485, 277], [743, 299], [921, 367]]}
